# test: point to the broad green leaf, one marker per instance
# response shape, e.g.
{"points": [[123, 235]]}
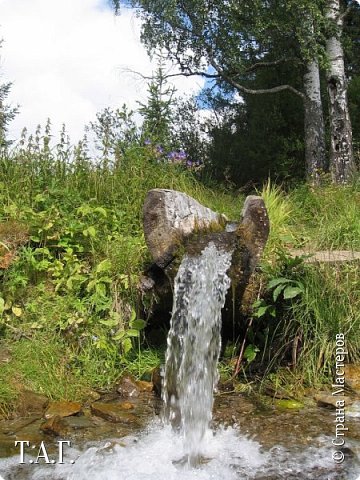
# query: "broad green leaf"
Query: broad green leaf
{"points": [[126, 345], [35, 239], [277, 281], [260, 312], [100, 289], [48, 225], [272, 311], [39, 198], [109, 323], [101, 210], [250, 352], [104, 280], [278, 290], [291, 292], [2, 305], [90, 232], [258, 303], [91, 285], [138, 324], [132, 332], [133, 316], [103, 266], [119, 335], [84, 209]]}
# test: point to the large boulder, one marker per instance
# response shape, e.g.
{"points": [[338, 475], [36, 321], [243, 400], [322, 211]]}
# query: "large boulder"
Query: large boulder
{"points": [[175, 223], [170, 217], [173, 219]]}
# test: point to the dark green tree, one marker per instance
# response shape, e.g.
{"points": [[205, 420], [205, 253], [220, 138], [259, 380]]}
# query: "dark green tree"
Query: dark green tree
{"points": [[239, 39], [157, 112]]}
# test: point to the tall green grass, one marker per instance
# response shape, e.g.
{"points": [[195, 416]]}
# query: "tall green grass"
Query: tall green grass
{"points": [[328, 217], [330, 306], [324, 218]]}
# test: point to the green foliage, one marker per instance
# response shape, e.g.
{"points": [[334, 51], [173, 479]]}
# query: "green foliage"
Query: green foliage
{"points": [[261, 137], [302, 307], [326, 218], [73, 229], [157, 113]]}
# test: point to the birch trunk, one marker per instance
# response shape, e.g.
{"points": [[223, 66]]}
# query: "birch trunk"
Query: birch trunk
{"points": [[313, 124], [342, 165]]}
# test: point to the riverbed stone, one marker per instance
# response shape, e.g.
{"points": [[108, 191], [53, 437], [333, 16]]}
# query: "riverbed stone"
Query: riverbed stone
{"points": [[114, 412], [353, 410], [55, 425], [157, 379], [128, 387], [62, 409], [352, 377], [324, 399], [145, 386]]}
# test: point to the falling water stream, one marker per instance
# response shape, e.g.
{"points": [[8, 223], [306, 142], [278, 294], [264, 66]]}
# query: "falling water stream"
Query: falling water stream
{"points": [[181, 445], [194, 346]]}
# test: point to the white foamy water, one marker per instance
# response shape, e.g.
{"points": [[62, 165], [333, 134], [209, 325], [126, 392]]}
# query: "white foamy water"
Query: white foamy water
{"points": [[154, 455]]}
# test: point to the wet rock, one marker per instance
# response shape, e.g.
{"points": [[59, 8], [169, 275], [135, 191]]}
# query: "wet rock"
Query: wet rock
{"points": [[169, 216], [62, 409], [32, 403], [21, 429], [128, 387], [353, 410], [145, 386], [254, 228], [113, 412], [352, 377], [56, 425], [324, 399], [156, 379], [12, 427], [79, 423]]}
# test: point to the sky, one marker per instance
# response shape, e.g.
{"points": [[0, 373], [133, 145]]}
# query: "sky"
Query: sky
{"points": [[68, 60]]}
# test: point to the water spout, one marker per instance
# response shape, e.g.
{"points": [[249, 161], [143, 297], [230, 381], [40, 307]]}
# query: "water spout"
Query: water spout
{"points": [[193, 346]]}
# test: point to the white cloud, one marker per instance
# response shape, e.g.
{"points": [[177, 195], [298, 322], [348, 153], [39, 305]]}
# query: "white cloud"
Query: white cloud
{"points": [[67, 59]]}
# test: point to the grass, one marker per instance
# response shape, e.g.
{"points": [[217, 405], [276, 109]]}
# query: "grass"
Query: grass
{"points": [[327, 218], [69, 302], [330, 306]]}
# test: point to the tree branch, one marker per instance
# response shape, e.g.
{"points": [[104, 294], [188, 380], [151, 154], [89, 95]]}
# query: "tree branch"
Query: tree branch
{"points": [[341, 16], [257, 65], [251, 91]]}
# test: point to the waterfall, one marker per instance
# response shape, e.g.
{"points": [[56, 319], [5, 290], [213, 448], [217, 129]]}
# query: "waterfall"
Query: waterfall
{"points": [[193, 346]]}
